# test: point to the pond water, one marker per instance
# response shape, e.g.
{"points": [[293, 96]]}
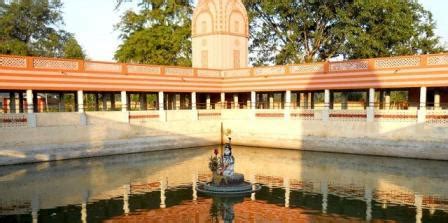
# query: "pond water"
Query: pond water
{"points": [[158, 187]]}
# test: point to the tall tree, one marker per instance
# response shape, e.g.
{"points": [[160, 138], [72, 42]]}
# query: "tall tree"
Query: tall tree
{"points": [[159, 33], [32, 27], [308, 30]]}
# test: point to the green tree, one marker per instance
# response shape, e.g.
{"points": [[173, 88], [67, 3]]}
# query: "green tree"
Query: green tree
{"points": [[32, 27], [72, 49], [158, 34], [309, 30]]}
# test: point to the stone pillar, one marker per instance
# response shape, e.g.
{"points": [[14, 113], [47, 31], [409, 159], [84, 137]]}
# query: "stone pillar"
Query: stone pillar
{"points": [[288, 99], [161, 101], [194, 185], [85, 200], [324, 192], [81, 111], [371, 107], [288, 104], [387, 100], [422, 109], [126, 193], [253, 181], [368, 198], [436, 100], [194, 107], [287, 191], [21, 102], [235, 101], [253, 100], [162, 193], [326, 111], [208, 102], [418, 208], [12, 102], [31, 117], [162, 113], [271, 101], [253, 105], [29, 101], [35, 209], [124, 101], [193, 100], [223, 100]]}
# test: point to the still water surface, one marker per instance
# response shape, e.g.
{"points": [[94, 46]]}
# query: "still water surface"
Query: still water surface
{"points": [[158, 187]]}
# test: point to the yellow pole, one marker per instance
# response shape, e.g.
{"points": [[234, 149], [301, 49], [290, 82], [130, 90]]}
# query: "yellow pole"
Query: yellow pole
{"points": [[222, 141]]}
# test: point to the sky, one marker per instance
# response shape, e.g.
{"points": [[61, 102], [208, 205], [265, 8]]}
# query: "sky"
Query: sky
{"points": [[92, 22]]}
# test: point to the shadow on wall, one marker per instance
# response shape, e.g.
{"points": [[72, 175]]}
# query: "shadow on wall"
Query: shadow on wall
{"points": [[107, 133]]}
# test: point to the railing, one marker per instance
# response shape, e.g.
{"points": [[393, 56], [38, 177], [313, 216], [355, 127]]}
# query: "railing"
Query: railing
{"points": [[347, 115], [439, 117], [269, 113], [209, 114], [73, 65], [13, 120], [306, 114], [137, 117], [210, 106], [396, 115], [363, 65], [269, 105], [436, 106]]}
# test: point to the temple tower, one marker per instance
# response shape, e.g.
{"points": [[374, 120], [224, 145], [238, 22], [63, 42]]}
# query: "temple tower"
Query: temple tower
{"points": [[220, 31]]}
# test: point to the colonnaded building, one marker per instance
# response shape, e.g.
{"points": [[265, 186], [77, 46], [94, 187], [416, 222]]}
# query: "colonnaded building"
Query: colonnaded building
{"points": [[61, 108]]}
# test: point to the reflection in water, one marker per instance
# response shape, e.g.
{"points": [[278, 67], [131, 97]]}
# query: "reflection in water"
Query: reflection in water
{"points": [[161, 186], [222, 208]]}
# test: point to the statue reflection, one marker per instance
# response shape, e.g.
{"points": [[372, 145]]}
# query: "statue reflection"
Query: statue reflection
{"points": [[222, 208]]}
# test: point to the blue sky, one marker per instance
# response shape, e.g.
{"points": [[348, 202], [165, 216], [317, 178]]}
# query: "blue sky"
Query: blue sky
{"points": [[92, 22]]}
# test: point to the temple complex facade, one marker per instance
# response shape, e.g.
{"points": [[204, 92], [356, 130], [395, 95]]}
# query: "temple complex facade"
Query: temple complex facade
{"points": [[396, 95]]}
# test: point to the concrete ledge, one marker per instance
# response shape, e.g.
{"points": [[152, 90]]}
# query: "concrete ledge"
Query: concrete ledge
{"points": [[32, 154], [361, 146]]}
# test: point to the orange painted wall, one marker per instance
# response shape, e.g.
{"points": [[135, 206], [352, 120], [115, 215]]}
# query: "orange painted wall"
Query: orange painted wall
{"points": [[21, 73]]}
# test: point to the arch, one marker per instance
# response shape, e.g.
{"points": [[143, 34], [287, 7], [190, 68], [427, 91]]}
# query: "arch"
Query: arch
{"points": [[203, 23], [236, 18]]}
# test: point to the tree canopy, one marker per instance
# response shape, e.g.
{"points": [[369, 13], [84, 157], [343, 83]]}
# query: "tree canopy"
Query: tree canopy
{"points": [[159, 33], [309, 30], [288, 31], [32, 27]]}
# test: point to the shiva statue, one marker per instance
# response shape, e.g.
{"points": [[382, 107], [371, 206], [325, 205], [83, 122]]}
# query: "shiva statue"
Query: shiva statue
{"points": [[228, 160]]}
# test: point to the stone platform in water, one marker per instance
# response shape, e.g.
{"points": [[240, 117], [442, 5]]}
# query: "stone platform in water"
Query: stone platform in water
{"points": [[235, 186], [236, 178]]}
